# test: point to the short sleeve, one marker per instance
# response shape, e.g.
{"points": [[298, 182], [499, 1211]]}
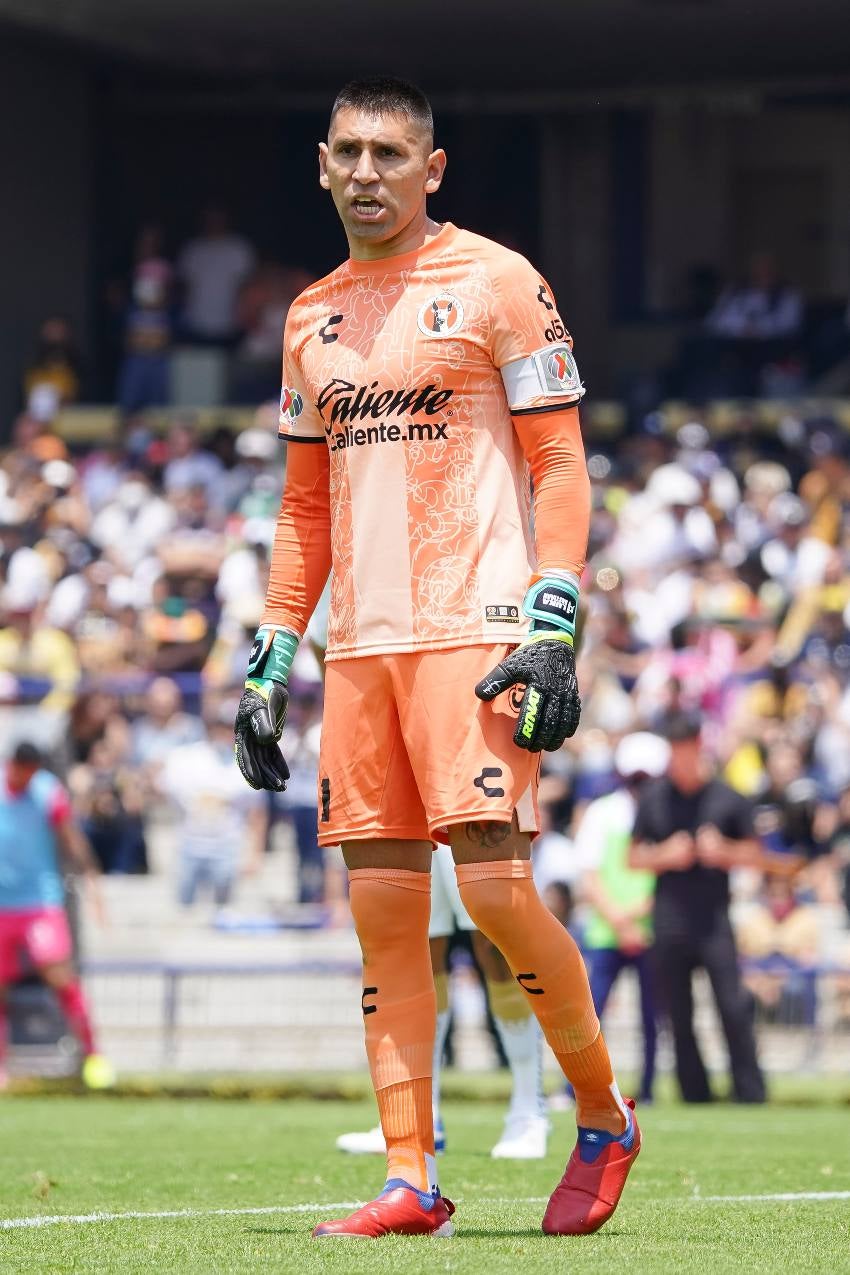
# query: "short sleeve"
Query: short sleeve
{"points": [[59, 809], [530, 344], [736, 815], [53, 797], [589, 839], [645, 828], [299, 419]]}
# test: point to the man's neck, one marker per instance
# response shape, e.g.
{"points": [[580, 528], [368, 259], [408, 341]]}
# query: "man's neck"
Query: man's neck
{"points": [[688, 784], [414, 235]]}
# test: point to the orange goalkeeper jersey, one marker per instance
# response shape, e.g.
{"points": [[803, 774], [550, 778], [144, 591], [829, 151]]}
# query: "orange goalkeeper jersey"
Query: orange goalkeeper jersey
{"points": [[408, 370]]}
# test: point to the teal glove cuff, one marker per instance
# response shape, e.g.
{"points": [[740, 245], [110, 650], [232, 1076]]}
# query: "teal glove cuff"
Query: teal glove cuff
{"points": [[552, 606], [271, 656]]}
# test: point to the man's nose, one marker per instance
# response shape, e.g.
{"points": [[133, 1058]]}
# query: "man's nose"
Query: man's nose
{"points": [[365, 170]]}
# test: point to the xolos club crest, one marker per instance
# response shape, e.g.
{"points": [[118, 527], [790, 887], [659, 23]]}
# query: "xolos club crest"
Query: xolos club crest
{"points": [[442, 315]]}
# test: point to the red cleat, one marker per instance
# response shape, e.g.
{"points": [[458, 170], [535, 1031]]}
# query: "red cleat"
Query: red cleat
{"points": [[398, 1210], [593, 1180]]}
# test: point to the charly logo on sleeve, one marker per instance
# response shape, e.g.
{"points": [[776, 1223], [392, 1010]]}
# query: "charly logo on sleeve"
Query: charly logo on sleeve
{"points": [[440, 316]]}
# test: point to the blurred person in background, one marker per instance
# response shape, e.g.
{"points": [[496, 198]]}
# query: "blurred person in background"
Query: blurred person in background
{"points": [[782, 933], [108, 800], [211, 269], [189, 465], [162, 727], [176, 629], [261, 311], [223, 823], [691, 830], [618, 928], [55, 364], [43, 660], [133, 523], [144, 371], [37, 829], [299, 800], [760, 308], [786, 810]]}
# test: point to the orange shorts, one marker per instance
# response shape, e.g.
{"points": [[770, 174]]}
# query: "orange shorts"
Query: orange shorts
{"points": [[407, 749]]}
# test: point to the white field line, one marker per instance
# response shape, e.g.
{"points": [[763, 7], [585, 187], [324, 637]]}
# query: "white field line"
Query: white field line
{"points": [[778, 1195], [80, 1219]]}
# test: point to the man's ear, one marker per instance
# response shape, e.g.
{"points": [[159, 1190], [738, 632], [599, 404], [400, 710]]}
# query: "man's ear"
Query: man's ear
{"points": [[434, 172], [324, 180]]}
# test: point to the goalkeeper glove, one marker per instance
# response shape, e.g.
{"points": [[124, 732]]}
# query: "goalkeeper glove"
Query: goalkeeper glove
{"points": [[545, 664], [262, 709]]}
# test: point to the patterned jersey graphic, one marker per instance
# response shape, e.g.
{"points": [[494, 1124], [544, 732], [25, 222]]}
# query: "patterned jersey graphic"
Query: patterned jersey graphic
{"points": [[413, 399]]}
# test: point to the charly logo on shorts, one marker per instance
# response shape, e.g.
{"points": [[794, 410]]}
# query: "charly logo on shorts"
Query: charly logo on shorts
{"points": [[291, 403], [441, 316]]}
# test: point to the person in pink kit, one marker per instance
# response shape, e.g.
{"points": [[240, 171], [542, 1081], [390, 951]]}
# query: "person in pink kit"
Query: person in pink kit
{"points": [[36, 827]]}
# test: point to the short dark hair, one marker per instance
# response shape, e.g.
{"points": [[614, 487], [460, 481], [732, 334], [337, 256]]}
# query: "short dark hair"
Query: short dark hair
{"points": [[680, 726], [385, 95], [27, 754]]}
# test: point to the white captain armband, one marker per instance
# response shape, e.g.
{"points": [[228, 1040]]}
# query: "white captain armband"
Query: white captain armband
{"points": [[544, 380]]}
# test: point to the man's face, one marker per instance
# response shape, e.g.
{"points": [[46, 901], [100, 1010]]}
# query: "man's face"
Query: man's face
{"points": [[379, 170], [19, 775], [685, 758]]}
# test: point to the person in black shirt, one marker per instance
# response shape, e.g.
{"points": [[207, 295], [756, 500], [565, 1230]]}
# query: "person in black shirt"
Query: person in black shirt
{"points": [[691, 829]]}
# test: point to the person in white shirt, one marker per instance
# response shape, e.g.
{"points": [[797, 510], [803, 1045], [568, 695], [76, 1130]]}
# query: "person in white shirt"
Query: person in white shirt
{"points": [[212, 268], [220, 816]]}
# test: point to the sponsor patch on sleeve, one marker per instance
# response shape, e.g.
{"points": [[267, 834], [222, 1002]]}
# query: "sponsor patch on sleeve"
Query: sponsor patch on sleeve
{"points": [[547, 374]]}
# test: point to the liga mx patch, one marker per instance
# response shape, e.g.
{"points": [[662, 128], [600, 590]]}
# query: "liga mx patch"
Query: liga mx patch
{"points": [[291, 404], [502, 614], [558, 370]]}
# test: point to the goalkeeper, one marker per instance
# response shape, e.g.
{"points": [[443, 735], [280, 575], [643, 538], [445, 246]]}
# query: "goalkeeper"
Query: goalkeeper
{"points": [[423, 380]]}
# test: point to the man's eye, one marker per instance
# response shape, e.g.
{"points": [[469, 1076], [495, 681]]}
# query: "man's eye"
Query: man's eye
{"points": [[387, 152]]}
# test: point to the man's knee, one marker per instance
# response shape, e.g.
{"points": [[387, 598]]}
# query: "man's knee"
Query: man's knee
{"points": [[488, 841]]}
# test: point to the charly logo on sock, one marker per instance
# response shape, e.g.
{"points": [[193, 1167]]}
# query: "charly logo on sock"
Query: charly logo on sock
{"points": [[524, 980]]}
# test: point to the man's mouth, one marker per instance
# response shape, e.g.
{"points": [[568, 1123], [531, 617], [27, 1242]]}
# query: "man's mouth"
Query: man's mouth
{"points": [[366, 207]]}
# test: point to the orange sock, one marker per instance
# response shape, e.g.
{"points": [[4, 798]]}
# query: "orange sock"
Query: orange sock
{"points": [[391, 908], [503, 902]]}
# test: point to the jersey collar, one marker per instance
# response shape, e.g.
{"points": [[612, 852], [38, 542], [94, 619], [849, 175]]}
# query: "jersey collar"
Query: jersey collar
{"points": [[405, 260]]}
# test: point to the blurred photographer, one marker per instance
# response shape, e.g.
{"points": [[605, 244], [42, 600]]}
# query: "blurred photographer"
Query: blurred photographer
{"points": [[691, 830]]}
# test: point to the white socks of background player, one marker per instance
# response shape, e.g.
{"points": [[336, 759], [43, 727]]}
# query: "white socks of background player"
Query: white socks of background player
{"points": [[443, 1020], [522, 1042]]}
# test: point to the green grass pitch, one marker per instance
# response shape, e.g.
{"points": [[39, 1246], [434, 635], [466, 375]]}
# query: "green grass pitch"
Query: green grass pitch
{"points": [[72, 1156]]}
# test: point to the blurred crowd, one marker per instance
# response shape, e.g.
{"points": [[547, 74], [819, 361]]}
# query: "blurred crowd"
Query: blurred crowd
{"points": [[215, 293], [752, 336], [133, 576], [133, 573]]}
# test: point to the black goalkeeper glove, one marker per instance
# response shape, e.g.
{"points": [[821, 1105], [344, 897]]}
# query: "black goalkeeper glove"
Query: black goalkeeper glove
{"points": [[262, 710], [545, 665]]}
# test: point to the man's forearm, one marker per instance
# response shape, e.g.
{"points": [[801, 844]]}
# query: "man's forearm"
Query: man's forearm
{"points": [[76, 848], [301, 555], [554, 450], [597, 896], [646, 856], [744, 853]]}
